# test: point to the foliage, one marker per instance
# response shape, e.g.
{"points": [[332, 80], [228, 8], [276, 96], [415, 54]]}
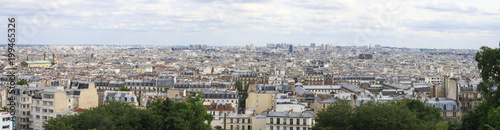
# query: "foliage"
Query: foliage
{"points": [[124, 89], [337, 116], [167, 114], [238, 85], [111, 115], [406, 114], [485, 114], [442, 125], [243, 99], [22, 82], [189, 115]]}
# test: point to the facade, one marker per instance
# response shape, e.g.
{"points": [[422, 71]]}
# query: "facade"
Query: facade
{"points": [[41, 64], [36, 105], [223, 97], [323, 89], [122, 96], [260, 101], [6, 122], [289, 120], [322, 101], [449, 107]]}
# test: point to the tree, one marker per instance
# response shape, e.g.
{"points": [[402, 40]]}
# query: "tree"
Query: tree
{"points": [[488, 62], [336, 116], [243, 98], [405, 114], [428, 116], [111, 115], [22, 82], [114, 115], [124, 89], [238, 85], [190, 114]]}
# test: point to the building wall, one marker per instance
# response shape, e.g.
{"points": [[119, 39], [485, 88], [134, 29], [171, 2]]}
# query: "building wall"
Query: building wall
{"points": [[238, 123], [88, 97], [258, 123], [281, 123], [260, 101]]}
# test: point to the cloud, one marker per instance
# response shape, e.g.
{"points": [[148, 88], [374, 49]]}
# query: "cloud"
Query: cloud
{"points": [[450, 7], [224, 21]]}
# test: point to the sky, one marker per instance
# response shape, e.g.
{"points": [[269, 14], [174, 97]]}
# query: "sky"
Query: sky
{"points": [[438, 24]]}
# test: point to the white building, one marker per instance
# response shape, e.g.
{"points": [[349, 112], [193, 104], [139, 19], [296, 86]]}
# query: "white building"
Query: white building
{"points": [[289, 120], [6, 121]]}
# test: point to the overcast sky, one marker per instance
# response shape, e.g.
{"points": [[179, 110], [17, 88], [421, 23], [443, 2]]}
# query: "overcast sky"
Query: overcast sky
{"points": [[424, 24]]}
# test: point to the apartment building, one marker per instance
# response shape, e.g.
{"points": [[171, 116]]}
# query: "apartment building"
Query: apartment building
{"points": [[289, 120], [448, 107], [223, 96], [36, 105], [6, 122], [122, 96]]}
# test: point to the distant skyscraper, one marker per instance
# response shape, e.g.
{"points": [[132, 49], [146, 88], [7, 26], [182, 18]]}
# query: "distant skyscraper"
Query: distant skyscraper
{"points": [[252, 47], [313, 45], [290, 48]]}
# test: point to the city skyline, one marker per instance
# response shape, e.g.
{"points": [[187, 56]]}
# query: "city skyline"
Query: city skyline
{"points": [[426, 24]]}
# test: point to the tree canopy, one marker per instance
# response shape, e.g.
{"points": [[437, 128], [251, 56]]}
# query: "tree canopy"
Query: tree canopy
{"points": [[22, 82], [406, 114], [112, 115], [124, 89], [485, 115]]}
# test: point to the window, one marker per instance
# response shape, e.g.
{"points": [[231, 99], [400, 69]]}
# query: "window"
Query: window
{"points": [[37, 116], [444, 114], [44, 110], [277, 128], [51, 110], [271, 121], [231, 126], [454, 114], [277, 120], [243, 127], [324, 105], [304, 121], [284, 121], [298, 128], [271, 128], [298, 121], [249, 127], [304, 128], [291, 122], [444, 107], [291, 128]]}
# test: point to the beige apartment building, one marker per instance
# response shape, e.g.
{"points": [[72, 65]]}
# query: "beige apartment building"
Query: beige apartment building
{"points": [[260, 101], [36, 105]]}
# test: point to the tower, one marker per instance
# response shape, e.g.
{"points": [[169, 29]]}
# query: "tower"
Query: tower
{"points": [[54, 58], [45, 57]]}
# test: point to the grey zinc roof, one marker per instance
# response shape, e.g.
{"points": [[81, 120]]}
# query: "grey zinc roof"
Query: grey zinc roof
{"points": [[306, 114]]}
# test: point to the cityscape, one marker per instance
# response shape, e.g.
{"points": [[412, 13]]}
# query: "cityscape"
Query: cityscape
{"points": [[249, 65]]}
